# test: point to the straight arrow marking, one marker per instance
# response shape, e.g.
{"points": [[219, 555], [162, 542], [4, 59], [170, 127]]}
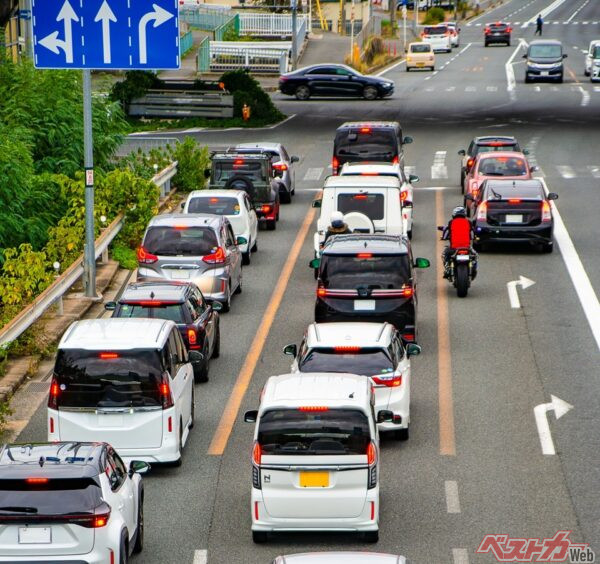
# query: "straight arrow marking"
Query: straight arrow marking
{"points": [[106, 15], [560, 407], [67, 15], [513, 295]]}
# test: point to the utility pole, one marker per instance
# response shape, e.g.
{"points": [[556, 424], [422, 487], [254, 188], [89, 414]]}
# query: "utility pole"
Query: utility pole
{"points": [[352, 31], [294, 33], [416, 9], [392, 7], [89, 258]]}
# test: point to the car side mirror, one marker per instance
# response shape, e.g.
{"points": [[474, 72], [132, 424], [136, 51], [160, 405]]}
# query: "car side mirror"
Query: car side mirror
{"points": [[462, 152], [110, 306], [241, 241], [565, 55], [525, 56], [534, 168], [251, 416], [412, 349], [295, 159], [552, 196], [422, 263], [315, 263], [207, 173], [217, 306], [182, 206], [291, 350], [407, 140], [139, 467], [413, 178], [469, 197], [316, 203], [196, 357], [525, 151], [385, 416]]}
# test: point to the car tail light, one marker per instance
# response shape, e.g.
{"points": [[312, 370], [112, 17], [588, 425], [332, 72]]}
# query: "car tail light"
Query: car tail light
{"points": [[497, 144], [144, 257], [447, 34], [395, 160], [311, 408], [389, 381], [36, 480], [192, 338], [546, 213], [96, 521], [166, 397], [514, 201], [256, 458], [470, 163], [238, 162], [347, 349], [108, 355], [360, 196], [364, 255], [321, 292], [256, 453], [407, 291], [408, 337], [482, 212], [266, 208], [487, 31], [403, 195], [365, 130], [335, 165], [280, 166], [218, 257], [369, 174], [283, 78], [508, 29], [372, 461], [53, 395]]}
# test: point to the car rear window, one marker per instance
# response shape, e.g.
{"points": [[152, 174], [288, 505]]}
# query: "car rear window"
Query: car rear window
{"points": [[217, 205], [367, 144], [170, 312], [180, 241], [516, 192], [248, 168], [366, 361], [498, 27], [351, 272], [491, 148], [372, 205], [420, 48], [437, 30], [503, 166], [327, 431], [129, 378]]}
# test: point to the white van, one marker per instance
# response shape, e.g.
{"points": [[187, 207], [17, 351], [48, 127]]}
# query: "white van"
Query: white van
{"points": [[127, 382], [315, 461], [370, 204], [592, 61]]}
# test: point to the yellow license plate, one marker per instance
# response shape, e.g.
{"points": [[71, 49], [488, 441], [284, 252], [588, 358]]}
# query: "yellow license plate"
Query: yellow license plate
{"points": [[314, 479], [420, 64]]}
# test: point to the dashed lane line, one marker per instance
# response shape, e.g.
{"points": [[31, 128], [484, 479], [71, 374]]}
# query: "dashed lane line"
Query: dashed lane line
{"points": [[439, 170], [200, 557], [460, 556], [452, 500], [566, 171], [313, 174]]}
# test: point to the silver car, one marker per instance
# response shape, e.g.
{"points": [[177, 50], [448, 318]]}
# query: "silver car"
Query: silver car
{"points": [[340, 558], [193, 247], [282, 163]]}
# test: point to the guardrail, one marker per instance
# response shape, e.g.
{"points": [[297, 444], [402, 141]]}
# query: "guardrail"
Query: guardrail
{"points": [[182, 103], [259, 57], [186, 42], [269, 25], [54, 293]]}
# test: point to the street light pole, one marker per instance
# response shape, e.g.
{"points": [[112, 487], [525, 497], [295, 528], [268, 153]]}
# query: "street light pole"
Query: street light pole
{"points": [[294, 33], [89, 259]]}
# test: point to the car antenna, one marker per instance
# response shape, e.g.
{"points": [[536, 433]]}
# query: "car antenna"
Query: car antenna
{"points": [[41, 461], [365, 243], [152, 295], [351, 396]]}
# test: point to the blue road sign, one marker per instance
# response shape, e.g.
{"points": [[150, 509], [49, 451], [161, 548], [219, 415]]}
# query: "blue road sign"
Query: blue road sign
{"points": [[105, 34]]}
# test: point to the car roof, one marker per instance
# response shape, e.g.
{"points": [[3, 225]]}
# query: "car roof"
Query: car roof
{"points": [[491, 138], [371, 124], [58, 460], [341, 558], [532, 183], [500, 154], [361, 243], [266, 145], [187, 219], [372, 166], [116, 334], [229, 193], [361, 182], [545, 42], [316, 388], [233, 154], [349, 333], [168, 291]]}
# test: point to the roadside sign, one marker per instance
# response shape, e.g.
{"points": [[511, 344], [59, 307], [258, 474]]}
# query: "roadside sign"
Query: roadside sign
{"points": [[105, 34]]}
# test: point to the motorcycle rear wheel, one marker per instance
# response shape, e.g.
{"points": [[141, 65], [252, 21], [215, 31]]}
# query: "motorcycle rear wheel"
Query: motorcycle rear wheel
{"points": [[462, 280]]}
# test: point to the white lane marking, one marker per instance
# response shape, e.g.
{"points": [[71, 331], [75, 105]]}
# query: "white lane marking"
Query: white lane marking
{"points": [[596, 88], [513, 295], [438, 168], [492, 88], [384, 71], [452, 501], [460, 556], [560, 407], [585, 96], [313, 174], [579, 277], [200, 557], [577, 11], [511, 83], [594, 171], [545, 11], [451, 89], [575, 23], [537, 88], [566, 171], [470, 89]]}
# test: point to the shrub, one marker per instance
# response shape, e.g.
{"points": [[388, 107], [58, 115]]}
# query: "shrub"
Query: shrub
{"points": [[5, 412], [374, 47], [193, 160], [125, 256], [434, 16], [135, 85]]}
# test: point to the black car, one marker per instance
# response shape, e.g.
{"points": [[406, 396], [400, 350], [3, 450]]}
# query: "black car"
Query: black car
{"points": [[513, 211], [368, 278], [545, 61], [333, 80], [484, 145], [372, 141], [498, 32], [181, 302]]}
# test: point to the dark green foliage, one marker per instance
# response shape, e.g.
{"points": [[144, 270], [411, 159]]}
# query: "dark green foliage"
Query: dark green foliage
{"points": [[125, 256], [434, 16], [135, 85]]}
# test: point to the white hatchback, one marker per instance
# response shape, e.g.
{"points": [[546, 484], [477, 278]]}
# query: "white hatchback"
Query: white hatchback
{"points": [[374, 350], [438, 36], [235, 205], [315, 461], [128, 382]]}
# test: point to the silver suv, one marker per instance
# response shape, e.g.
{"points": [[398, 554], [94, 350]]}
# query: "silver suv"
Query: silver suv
{"points": [[193, 247]]}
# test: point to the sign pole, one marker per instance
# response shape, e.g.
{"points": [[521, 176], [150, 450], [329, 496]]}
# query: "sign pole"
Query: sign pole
{"points": [[352, 31], [89, 259], [404, 26], [294, 33]]}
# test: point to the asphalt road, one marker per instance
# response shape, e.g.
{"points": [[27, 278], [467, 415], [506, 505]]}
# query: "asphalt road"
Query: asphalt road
{"points": [[484, 365]]}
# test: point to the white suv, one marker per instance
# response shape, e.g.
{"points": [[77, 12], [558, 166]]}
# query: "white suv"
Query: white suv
{"points": [[374, 350], [315, 461], [69, 502], [128, 382]]}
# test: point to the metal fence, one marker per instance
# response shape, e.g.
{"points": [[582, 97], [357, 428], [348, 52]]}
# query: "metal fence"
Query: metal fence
{"points": [[203, 18], [258, 57], [231, 25], [270, 25], [186, 42]]}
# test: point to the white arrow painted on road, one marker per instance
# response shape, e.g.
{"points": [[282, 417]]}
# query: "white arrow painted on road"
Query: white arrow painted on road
{"points": [[560, 407], [513, 295], [67, 15], [160, 16], [106, 15]]}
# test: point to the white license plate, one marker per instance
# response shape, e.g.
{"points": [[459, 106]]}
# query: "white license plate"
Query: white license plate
{"points": [[514, 219], [462, 258], [544, 73], [364, 305], [35, 535], [180, 274]]}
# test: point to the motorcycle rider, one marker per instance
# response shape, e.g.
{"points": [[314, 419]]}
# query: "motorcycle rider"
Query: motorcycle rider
{"points": [[459, 232], [337, 225]]}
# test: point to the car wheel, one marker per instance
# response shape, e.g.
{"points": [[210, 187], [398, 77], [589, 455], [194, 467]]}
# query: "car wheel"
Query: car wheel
{"points": [[527, 79], [508, 43], [139, 539], [371, 536], [407, 68], [586, 73], [302, 92], [409, 234], [259, 537], [246, 257], [123, 549], [227, 303], [179, 461], [370, 93], [201, 372], [462, 181], [193, 410], [285, 197], [238, 290], [402, 434], [486, 44], [271, 224], [254, 247], [432, 68], [217, 346]]}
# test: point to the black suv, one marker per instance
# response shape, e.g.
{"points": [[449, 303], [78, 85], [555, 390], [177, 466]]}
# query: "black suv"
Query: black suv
{"points": [[497, 32], [183, 303], [513, 211], [374, 141], [368, 278]]}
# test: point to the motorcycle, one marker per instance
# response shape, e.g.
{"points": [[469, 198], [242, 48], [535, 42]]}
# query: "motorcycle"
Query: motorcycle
{"points": [[461, 268]]}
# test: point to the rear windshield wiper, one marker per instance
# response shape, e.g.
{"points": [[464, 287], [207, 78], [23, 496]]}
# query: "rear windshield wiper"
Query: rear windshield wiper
{"points": [[17, 509], [496, 195]]}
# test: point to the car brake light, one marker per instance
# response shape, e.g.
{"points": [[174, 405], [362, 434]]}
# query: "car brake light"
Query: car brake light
{"points": [[482, 212], [395, 160], [108, 355], [150, 303], [280, 166], [447, 34], [360, 197], [37, 480], [213, 200], [546, 213], [346, 349], [266, 208], [470, 163], [180, 227], [192, 337], [53, 395], [365, 130], [238, 162], [92, 522], [371, 453], [166, 397], [407, 291], [335, 164], [218, 257], [144, 257], [369, 174], [311, 408], [408, 337], [100, 521], [403, 195], [514, 201], [321, 292], [364, 255], [508, 29], [389, 381], [257, 453], [497, 144]]}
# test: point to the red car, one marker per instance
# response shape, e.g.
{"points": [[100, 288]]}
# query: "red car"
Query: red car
{"points": [[508, 165]]}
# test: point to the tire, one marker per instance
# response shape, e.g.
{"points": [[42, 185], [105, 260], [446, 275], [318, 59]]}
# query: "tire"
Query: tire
{"points": [[302, 92], [402, 434], [547, 247], [217, 346], [508, 43], [179, 461], [227, 304], [462, 181], [407, 69], [259, 537], [586, 73], [432, 68], [486, 44], [371, 536], [271, 224], [193, 413], [370, 93], [316, 273], [409, 233], [462, 280], [139, 539], [123, 549], [285, 197], [238, 290], [246, 258], [201, 375], [254, 247]]}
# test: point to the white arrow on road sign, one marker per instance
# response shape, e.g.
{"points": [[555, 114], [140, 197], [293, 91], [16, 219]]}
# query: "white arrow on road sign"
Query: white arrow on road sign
{"points": [[160, 16], [105, 15], [53, 43], [560, 407], [513, 295]]}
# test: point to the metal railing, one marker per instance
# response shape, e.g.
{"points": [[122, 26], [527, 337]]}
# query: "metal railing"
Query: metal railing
{"points": [[186, 42], [232, 24], [54, 293], [269, 25], [258, 57], [203, 18]]}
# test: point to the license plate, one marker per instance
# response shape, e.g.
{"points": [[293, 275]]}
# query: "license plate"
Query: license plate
{"points": [[364, 305], [314, 479], [420, 64], [462, 258], [35, 535], [514, 219], [180, 274], [544, 73]]}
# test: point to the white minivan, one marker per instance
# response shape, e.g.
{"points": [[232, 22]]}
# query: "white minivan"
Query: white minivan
{"points": [[370, 204], [127, 382], [315, 461]]}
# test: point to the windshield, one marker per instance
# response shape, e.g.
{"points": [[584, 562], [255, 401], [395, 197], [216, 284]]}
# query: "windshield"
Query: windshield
{"points": [[170, 312], [332, 431], [217, 205], [372, 205], [351, 272], [248, 168], [515, 192], [129, 378], [420, 48], [492, 148], [366, 362], [367, 143], [503, 166], [545, 52], [183, 241]]}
